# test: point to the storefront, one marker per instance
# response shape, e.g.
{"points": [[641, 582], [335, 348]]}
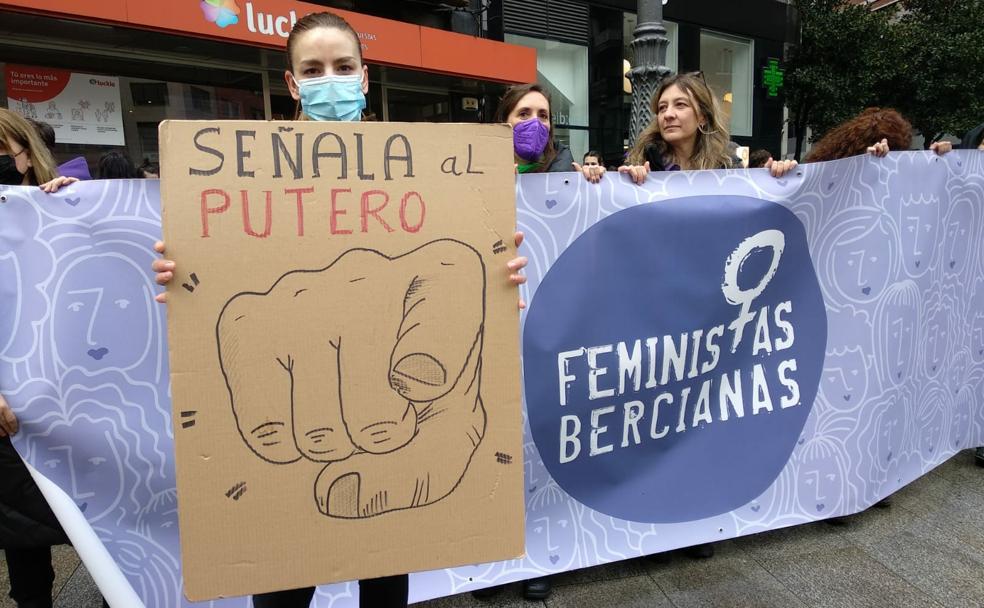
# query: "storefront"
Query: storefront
{"points": [[584, 51], [560, 33], [106, 73]]}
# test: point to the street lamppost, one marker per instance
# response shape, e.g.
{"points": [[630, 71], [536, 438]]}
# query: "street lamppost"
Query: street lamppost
{"points": [[649, 49]]}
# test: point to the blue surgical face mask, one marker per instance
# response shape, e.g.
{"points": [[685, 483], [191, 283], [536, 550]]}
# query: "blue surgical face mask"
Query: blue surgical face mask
{"points": [[332, 97]]}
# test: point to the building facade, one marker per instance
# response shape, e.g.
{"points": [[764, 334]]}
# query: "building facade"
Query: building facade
{"points": [[583, 52], [104, 74], [429, 60]]}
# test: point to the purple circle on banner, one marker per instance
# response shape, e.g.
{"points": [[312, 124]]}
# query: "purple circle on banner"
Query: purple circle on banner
{"points": [[637, 318]]}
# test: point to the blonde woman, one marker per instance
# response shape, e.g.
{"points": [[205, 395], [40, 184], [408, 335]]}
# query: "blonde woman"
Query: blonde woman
{"points": [[687, 133], [24, 158]]}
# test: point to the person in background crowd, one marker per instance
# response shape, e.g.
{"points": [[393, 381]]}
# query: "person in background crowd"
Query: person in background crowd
{"points": [[687, 133], [24, 158], [973, 139], [78, 167], [592, 165], [28, 528], [874, 131], [592, 159], [733, 150], [328, 78], [758, 158], [526, 108], [116, 165], [148, 170], [46, 132]]}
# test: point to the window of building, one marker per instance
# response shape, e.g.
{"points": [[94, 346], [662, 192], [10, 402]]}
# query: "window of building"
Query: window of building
{"points": [[149, 93], [726, 62], [201, 99], [148, 142], [417, 106], [563, 69]]}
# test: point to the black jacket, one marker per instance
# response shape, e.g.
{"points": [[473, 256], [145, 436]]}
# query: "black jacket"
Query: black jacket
{"points": [[972, 138], [26, 520], [561, 162], [652, 154]]}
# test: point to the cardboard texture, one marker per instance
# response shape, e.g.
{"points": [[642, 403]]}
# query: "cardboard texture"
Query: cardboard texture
{"points": [[343, 349]]}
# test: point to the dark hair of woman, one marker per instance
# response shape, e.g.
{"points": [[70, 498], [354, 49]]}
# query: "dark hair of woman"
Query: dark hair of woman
{"points": [[116, 165], [46, 131], [148, 169], [758, 158]]}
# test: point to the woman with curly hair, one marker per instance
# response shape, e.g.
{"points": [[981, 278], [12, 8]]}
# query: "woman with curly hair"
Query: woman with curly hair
{"points": [[687, 132], [883, 126]]}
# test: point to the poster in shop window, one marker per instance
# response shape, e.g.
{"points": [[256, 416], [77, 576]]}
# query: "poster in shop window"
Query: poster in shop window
{"points": [[81, 108]]}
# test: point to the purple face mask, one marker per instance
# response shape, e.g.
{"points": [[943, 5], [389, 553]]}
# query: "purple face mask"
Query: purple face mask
{"points": [[530, 139]]}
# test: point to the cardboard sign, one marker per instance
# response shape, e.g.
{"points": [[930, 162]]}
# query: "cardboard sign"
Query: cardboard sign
{"points": [[343, 350]]}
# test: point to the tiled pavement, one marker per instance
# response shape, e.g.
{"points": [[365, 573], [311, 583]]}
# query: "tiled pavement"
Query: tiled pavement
{"points": [[926, 550]]}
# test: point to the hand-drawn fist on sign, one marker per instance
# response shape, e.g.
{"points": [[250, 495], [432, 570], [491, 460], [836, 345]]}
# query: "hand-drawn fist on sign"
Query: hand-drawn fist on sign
{"points": [[372, 365]]}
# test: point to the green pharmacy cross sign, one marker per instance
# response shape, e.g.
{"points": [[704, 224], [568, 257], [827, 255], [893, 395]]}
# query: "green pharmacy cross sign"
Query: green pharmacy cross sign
{"points": [[773, 77]]}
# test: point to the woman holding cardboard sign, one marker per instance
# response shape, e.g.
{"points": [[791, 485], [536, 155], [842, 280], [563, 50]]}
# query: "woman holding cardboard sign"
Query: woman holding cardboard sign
{"points": [[326, 75]]}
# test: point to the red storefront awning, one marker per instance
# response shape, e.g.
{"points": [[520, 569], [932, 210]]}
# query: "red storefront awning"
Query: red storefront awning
{"points": [[268, 22]]}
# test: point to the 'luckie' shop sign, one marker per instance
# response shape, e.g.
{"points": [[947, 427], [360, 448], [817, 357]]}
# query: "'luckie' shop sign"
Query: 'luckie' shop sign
{"points": [[268, 22]]}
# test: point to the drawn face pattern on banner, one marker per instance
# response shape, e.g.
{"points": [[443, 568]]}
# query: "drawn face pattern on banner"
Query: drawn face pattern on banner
{"points": [[916, 211], [896, 325], [562, 196], [95, 469], [641, 378], [919, 225], [159, 517], [880, 441], [858, 255], [976, 320], [890, 431], [960, 429], [22, 305], [937, 331], [958, 249], [933, 421], [100, 305], [845, 378], [150, 568], [553, 526], [822, 475], [958, 371]]}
